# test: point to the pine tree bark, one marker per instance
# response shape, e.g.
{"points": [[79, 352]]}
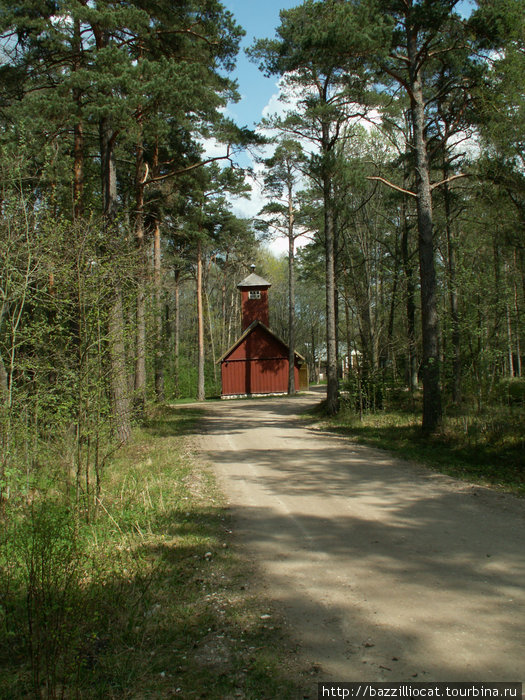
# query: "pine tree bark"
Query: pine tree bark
{"points": [[210, 331], [432, 410], [223, 300], [348, 328], [291, 295], [453, 300], [234, 314], [78, 134], [410, 306], [332, 388], [510, 359], [117, 348], [176, 340], [119, 383], [389, 352], [518, 324], [78, 170], [140, 312], [4, 388], [201, 393], [159, 336]]}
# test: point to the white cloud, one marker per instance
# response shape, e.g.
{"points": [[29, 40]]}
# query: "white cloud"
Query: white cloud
{"points": [[466, 142], [213, 148], [275, 106], [249, 208]]}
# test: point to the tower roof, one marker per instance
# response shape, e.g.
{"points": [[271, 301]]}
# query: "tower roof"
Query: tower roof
{"points": [[253, 280]]}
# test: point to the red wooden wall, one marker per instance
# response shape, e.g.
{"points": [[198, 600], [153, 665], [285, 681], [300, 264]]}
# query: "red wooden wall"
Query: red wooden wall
{"points": [[254, 309], [258, 365]]}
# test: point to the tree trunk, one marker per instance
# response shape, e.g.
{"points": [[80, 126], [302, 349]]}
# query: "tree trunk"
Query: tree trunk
{"points": [[336, 293], [518, 323], [140, 312], [223, 302], [78, 135], [332, 389], [453, 301], [510, 358], [212, 340], [410, 303], [201, 393], [119, 382], [108, 172], [78, 170], [4, 389], [518, 345], [159, 325], [176, 341], [391, 316], [347, 324], [291, 297], [233, 315], [432, 411], [509, 343], [314, 369], [117, 348]]}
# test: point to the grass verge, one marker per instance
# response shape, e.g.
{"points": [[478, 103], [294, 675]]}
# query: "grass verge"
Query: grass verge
{"points": [[485, 448], [148, 600]]}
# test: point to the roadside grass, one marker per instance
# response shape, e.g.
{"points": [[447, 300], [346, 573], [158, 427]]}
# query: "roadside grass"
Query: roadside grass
{"points": [[149, 600], [486, 447]]}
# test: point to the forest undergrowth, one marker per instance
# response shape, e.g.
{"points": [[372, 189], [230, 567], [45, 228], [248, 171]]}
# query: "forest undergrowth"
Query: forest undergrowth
{"points": [[148, 599]]}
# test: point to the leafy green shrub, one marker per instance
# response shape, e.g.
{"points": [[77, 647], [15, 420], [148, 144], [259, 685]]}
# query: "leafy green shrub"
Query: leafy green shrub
{"points": [[41, 569], [512, 391], [364, 391]]}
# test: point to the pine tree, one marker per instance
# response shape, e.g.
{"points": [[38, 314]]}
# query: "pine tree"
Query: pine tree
{"points": [[281, 180], [310, 52]]}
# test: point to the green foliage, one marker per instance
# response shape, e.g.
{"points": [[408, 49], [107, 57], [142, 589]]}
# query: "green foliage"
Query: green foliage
{"points": [[363, 390], [323, 34], [146, 599], [53, 344], [511, 391], [43, 611]]}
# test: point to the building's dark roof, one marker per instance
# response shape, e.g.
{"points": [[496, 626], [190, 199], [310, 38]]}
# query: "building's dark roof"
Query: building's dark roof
{"points": [[247, 332], [253, 280]]}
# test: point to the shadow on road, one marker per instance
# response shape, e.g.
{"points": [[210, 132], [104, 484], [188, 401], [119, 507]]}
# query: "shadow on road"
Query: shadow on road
{"points": [[390, 566]]}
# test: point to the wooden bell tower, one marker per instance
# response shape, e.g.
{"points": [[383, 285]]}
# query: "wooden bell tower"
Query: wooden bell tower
{"points": [[254, 300]]}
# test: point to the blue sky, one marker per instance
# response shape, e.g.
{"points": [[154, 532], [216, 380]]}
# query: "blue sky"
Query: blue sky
{"points": [[259, 19]]}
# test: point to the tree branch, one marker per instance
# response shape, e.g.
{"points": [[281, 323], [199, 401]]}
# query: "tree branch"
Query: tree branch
{"points": [[391, 184], [145, 178], [187, 169], [398, 78], [449, 179]]}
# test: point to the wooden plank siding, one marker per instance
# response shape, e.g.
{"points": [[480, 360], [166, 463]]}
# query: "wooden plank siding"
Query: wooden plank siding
{"points": [[256, 376], [257, 365]]}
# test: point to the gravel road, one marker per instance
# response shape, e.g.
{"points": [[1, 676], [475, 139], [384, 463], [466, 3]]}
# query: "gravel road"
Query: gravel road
{"points": [[384, 570]]}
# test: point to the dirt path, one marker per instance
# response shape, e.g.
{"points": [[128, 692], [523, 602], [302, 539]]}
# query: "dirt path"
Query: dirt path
{"points": [[384, 570]]}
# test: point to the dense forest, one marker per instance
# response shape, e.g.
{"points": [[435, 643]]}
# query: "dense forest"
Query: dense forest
{"points": [[398, 156]]}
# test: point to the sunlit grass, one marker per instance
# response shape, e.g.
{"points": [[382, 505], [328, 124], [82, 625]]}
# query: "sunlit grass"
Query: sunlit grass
{"points": [[160, 602]]}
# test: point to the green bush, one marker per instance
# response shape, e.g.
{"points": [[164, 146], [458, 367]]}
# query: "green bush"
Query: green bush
{"points": [[41, 608], [364, 390], [511, 391]]}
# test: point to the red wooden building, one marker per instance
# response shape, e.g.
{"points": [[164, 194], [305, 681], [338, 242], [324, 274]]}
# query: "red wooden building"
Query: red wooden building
{"points": [[257, 363]]}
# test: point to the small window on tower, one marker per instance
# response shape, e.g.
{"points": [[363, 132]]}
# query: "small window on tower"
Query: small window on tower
{"points": [[254, 294]]}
